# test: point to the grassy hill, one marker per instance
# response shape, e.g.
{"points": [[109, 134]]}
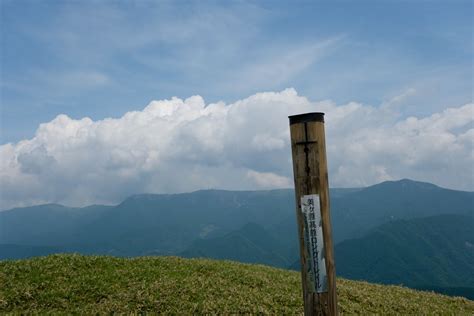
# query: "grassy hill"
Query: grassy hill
{"points": [[95, 284]]}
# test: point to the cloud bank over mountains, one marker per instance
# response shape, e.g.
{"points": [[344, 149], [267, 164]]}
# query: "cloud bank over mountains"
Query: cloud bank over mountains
{"points": [[183, 145]]}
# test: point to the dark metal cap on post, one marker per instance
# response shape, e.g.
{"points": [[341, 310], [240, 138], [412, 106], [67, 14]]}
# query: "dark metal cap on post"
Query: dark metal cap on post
{"points": [[307, 117]]}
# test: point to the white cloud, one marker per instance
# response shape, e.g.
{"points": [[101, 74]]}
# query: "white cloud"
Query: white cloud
{"points": [[181, 145], [268, 179], [277, 65]]}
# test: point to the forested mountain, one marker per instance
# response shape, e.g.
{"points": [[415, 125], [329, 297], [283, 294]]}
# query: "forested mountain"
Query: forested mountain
{"points": [[259, 227], [250, 244], [357, 213], [432, 253], [170, 223], [148, 223]]}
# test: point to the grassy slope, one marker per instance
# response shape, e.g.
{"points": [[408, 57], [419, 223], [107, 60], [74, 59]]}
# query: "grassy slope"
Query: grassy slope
{"points": [[92, 284]]}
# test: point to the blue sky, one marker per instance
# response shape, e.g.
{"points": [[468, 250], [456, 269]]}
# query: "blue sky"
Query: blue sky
{"points": [[101, 59], [88, 113]]}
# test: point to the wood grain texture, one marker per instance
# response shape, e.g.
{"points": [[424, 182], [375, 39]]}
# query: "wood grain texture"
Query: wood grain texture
{"points": [[311, 177]]}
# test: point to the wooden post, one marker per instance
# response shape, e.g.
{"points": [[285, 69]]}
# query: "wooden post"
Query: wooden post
{"points": [[312, 213]]}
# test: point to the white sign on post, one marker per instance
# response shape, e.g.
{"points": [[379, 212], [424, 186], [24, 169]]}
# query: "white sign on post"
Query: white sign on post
{"points": [[313, 233]]}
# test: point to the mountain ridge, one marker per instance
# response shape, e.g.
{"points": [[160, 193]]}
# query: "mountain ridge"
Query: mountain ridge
{"points": [[144, 195], [207, 222]]}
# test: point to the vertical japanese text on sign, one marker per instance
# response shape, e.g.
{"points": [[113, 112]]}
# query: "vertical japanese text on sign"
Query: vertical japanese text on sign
{"points": [[313, 233]]}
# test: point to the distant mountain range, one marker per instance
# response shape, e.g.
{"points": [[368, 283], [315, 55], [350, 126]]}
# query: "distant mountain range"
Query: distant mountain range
{"points": [[146, 224], [392, 232]]}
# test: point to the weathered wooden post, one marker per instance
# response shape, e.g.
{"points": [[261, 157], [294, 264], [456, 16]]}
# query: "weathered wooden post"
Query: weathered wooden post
{"points": [[310, 172]]}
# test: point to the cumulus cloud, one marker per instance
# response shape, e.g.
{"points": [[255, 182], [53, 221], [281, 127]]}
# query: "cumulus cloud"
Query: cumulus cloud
{"points": [[182, 145]]}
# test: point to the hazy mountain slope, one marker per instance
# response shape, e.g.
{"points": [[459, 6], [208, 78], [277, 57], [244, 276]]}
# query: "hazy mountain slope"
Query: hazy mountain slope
{"points": [[427, 253], [170, 223], [356, 213], [160, 224], [358, 203], [49, 224], [250, 244]]}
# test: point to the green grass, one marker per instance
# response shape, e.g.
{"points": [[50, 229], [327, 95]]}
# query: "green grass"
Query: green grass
{"points": [[97, 284]]}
